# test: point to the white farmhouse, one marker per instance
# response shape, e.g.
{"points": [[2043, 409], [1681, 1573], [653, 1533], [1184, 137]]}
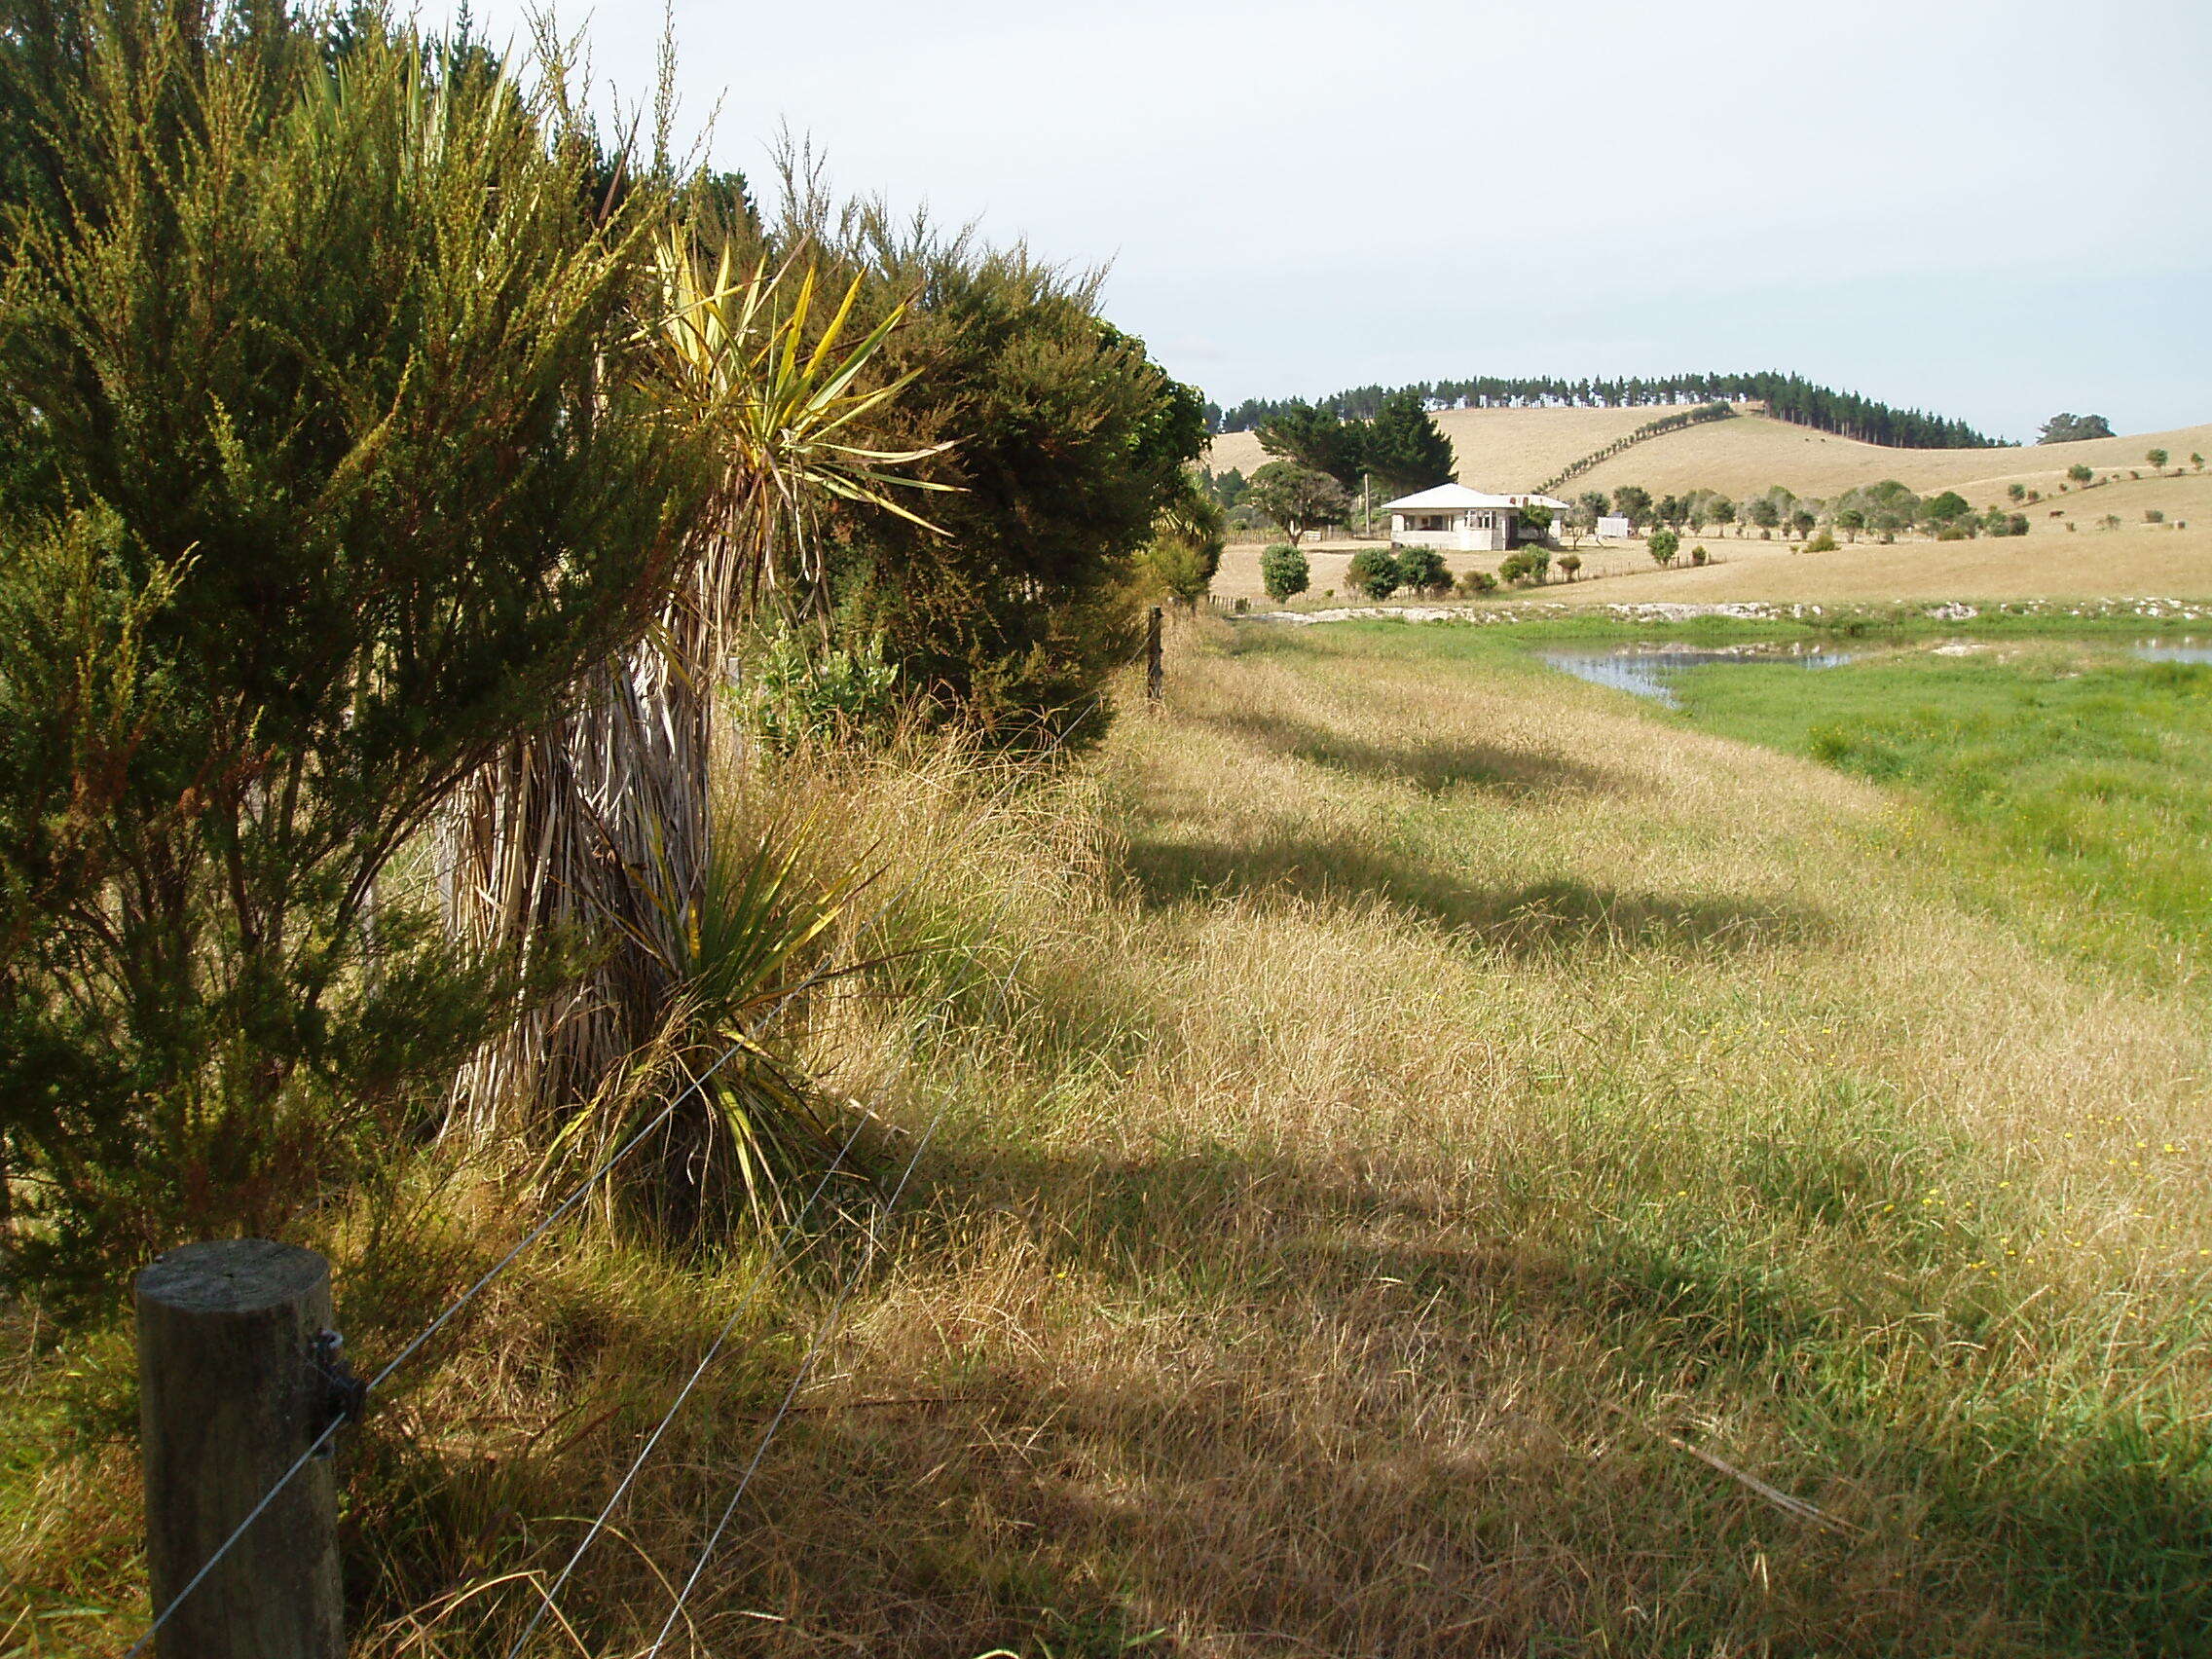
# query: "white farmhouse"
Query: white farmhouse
{"points": [[1455, 519]]}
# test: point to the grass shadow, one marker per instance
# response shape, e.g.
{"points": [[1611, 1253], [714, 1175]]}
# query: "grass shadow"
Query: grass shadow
{"points": [[1404, 1497], [1433, 765], [1534, 918]]}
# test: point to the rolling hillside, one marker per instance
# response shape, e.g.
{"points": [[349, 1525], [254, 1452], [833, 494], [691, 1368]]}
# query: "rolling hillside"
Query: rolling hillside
{"points": [[1498, 449], [1749, 454], [1516, 449]]}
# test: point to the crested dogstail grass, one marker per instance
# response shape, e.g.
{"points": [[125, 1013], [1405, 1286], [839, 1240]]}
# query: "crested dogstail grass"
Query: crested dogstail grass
{"points": [[1391, 1107]]}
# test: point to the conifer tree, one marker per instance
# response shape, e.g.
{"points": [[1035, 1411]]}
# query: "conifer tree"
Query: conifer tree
{"points": [[1404, 448], [1316, 439]]}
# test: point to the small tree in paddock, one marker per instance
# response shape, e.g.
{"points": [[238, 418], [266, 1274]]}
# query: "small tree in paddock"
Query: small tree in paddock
{"points": [[2157, 457], [1296, 498], [2079, 472], [1945, 511], [2111, 521], [2154, 515], [2196, 462], [2018, 492], [1698, 554], [1572, 563], [1371, 573], [1284, 573], [1851, 521], [1422, 570], [1802, 522], [1472, 584], [1665, 544]]}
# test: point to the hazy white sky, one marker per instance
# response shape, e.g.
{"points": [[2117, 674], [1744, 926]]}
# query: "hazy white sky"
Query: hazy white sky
{"points": [[1995, 209]]}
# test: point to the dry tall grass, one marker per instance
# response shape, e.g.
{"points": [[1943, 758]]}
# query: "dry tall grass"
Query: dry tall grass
{"points": [[1389, 1110]]}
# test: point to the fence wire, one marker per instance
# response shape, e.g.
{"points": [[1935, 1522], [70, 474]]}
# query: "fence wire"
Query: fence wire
{"points": [[744, 1301], [415, 1346], [821, 1335]]}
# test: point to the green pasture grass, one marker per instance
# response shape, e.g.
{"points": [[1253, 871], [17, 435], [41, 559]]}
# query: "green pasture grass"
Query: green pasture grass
{"points": [[2070, 785], [2079, 782]]}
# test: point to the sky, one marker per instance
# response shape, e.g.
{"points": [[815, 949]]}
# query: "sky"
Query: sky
{"points": [[1995, 209]]}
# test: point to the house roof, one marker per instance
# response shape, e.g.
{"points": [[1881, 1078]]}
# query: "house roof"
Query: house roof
{"points": [[1444, 498]]}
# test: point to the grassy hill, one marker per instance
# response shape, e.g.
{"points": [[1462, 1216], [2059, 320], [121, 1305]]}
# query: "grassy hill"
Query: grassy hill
{"points": [[1498, 449], [1517, 449], [1752, 452]]}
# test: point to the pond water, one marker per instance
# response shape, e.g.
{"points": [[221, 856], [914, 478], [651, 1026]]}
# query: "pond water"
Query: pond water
{"points": [[2183, 650], [1646, 671], [1649, 670]]}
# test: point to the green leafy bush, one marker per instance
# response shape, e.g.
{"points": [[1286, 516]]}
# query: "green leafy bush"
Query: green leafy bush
{"points": [[1068, 444], [1664, 545], [314, 316], [1189, 534], [1284, 571], [1373, 573], [1821, 543], [1473, 585], [795, 689], [1422, 570]]}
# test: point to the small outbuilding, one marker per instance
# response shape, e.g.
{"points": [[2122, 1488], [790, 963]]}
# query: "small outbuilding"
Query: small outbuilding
{"points": [[1455, 519]]}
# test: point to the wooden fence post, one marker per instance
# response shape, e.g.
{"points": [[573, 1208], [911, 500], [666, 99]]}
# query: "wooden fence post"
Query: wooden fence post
{"points": [[230, 1392], [1152, 669]]}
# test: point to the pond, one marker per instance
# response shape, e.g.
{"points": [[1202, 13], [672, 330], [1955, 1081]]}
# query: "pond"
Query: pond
{"points": [[2184, 649], [1646, 670]]}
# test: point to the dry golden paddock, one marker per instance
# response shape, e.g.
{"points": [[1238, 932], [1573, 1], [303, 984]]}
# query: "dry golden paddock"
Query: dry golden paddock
{"points": [[2050, 561]]}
